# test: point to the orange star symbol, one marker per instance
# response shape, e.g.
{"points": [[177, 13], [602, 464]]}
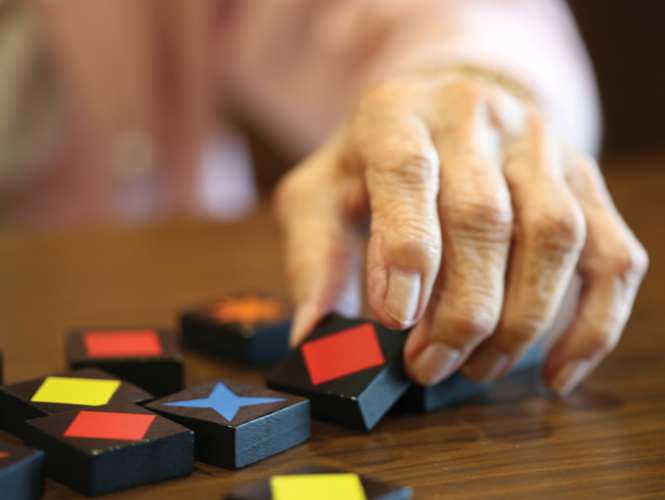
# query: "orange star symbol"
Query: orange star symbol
{"points": [[247, 310]]}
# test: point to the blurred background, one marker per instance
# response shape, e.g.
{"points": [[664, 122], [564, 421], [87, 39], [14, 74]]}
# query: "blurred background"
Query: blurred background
{"points": [[626, 41]]}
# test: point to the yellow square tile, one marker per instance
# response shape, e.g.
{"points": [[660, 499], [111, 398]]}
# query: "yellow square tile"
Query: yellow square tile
{"points": [[76, 391], [317, 486]]}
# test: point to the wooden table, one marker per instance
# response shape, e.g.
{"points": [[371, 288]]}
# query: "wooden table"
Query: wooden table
{"points": [[607, 440]]}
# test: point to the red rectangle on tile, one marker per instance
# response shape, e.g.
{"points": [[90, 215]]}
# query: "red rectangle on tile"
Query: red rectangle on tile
{"points": [[101, 425], [342, 353], [122, 343]]}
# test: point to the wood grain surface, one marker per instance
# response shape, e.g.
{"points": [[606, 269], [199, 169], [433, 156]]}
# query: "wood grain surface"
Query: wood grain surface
{"points": [[605, 441]]}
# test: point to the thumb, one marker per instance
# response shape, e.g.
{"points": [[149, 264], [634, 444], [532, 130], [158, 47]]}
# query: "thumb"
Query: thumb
{"points": [[318, 206]]}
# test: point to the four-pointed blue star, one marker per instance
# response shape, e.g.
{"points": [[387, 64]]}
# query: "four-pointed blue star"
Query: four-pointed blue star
{"points": [[224, 402]]}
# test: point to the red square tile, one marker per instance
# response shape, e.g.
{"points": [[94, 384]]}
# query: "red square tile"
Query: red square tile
{"points": [[342, 353], [101, 425], [124, 343]]}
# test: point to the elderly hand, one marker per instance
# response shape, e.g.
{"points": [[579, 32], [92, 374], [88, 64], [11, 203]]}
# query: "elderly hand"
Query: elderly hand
{"points": [[479, 216]]}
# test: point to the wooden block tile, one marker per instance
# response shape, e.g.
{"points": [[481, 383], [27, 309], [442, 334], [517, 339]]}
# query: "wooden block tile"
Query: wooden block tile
{"points": [[112, 447], [252, 329], [147, 357], [21, 472], [237, 424], [72, 390], [320, 483], [351, 370]]}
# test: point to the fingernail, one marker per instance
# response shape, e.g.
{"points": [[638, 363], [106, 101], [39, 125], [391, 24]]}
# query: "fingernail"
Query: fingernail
{"points": [[569, 376], [486, 365], [403, 296], [434, 364]]}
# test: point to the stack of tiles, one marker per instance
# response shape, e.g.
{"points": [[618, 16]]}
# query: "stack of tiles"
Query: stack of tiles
{"points": [[148, 358], [251, 329], [21, 472], [236, 424], [320, 483], [62, 393], [112, 447], [351, 370]]}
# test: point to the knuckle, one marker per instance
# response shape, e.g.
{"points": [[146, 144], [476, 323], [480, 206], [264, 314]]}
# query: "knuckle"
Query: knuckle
{"points": [[562, 229], [630, 264], [417, 164], [474, 323], [406, 160], [414, 241], [490, 216]]}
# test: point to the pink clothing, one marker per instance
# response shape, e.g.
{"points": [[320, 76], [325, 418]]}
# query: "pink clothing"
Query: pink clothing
{"points": [[147, 80]]}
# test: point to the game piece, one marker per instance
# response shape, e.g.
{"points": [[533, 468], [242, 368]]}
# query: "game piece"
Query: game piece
{"points": [[351, 370], [111, 447], [457, 387], [251, 329], [57, 394], [21, 472], [148, 358], [236, 424], [320, 483]]}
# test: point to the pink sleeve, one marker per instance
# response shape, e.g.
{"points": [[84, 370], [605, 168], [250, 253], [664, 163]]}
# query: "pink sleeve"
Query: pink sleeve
{"points": [[298, 66]]}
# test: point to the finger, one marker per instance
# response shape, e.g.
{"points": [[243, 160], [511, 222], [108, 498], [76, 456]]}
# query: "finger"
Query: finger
{"points": [[612, 266], [400, 165], [317, 206], [476, 223], [548, 237]]}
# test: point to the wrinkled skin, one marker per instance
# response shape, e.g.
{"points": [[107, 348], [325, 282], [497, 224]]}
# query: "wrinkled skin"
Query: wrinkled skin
{"points": [[479, 216]]}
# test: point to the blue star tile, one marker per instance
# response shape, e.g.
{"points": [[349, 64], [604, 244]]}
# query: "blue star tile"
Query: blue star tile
{"points": [[224, 402]]}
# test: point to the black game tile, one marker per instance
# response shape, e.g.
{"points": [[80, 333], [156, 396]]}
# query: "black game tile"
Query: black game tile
{"points": [[236, 424], [351, 370], [320, 483], [21, 472], [148, 358], [112, 447], [252, 329], [61, 393]]}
